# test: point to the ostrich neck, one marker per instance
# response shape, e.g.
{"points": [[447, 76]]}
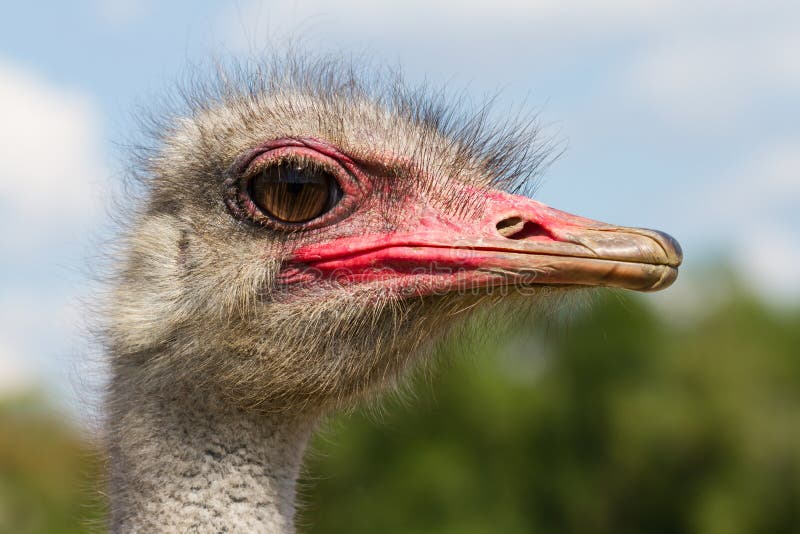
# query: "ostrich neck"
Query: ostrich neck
{"points": [[183, 462]]}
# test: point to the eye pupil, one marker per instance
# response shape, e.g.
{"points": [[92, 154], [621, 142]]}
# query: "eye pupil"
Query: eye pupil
{"points": [[294, 193]]}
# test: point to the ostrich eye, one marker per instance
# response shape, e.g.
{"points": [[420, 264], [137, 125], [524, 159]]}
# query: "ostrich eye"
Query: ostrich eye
{"points": [[294, 192]]}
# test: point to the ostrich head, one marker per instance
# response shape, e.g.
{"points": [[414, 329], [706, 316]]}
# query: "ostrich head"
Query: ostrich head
{"points": [[306, 235]]}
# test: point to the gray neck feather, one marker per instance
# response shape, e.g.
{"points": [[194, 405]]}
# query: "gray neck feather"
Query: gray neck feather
{"points": [[187, 463]]}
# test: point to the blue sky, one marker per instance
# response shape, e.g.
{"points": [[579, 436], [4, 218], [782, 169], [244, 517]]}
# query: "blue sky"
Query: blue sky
{"points": [[678, 115]]}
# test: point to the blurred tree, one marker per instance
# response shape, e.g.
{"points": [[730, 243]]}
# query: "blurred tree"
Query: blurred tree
{"points": [[48, 474], [629, 425]]}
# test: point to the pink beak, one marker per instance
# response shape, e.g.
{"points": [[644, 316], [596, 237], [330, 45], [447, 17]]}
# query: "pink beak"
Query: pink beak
{"points": [[516, 241]]}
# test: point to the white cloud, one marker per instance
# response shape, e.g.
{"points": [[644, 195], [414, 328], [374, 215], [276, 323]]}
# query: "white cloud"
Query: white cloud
{"points": [[764, 204], [771, 179], [688, 61], [769, 258], [44, 344], [120, 13], [30, 323], [360, 18], [755, 212], [14, 375], [702, 66], [713, 74], [51, 175], [459, 34], [51, 184]]}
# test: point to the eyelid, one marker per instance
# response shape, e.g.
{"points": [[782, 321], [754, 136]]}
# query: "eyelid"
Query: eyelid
{"points": [[343, 169]]}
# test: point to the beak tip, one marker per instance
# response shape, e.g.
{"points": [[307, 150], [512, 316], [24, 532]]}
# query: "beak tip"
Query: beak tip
{"points": [[668, 276], [672, 248], [672, 259]]}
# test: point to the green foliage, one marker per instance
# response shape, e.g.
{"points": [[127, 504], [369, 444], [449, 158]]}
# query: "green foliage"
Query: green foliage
{"points": [[618, 421], [48, 474]]}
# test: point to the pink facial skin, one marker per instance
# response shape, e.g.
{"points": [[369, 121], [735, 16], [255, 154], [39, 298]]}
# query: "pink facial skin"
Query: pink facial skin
{"points": [[510, 240]]}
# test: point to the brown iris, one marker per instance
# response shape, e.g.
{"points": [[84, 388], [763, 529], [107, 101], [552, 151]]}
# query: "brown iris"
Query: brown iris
{"points": [[294, 192]]}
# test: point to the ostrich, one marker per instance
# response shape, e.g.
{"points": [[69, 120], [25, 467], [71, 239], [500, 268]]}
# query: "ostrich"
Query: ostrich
{"points": [[306, 234]]}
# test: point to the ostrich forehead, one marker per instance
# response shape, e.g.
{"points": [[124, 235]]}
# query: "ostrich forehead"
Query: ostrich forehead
{"points": [[369, 121], [360, 128]]}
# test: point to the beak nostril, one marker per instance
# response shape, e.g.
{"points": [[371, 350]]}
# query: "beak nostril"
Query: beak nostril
{"points": [[518, 228], [510, 226]]}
